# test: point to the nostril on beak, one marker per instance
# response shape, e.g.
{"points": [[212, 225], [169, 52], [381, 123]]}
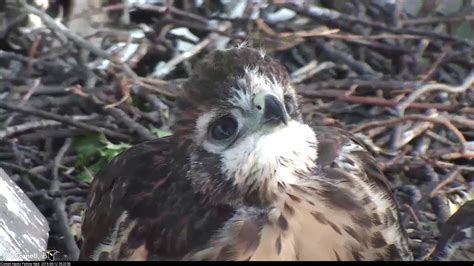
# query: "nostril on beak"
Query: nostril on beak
{"points": [[274, 111]]}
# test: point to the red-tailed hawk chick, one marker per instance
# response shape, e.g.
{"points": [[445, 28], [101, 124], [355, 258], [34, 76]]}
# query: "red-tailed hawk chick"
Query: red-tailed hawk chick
{"points": [[243, 178]]}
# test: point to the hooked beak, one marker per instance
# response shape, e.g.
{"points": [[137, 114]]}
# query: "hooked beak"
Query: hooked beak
{"points": [[273, 110]]}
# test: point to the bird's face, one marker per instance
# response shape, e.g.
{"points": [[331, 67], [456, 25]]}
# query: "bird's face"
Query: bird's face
{"points": [[249, 131], [256, 106]]}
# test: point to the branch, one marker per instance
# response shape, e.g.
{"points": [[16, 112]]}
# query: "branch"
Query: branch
{"points": [[435, 87], [394, 121], [63, 119], [78, 40]]}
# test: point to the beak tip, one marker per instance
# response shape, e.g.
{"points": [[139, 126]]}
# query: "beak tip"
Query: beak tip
{"points": [[274, 110]]}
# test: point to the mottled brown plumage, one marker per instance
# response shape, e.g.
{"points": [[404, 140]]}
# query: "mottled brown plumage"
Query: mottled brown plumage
{"points": [[243, 178]]}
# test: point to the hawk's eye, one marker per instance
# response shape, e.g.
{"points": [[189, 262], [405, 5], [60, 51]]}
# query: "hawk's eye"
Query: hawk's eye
{"points": [[223, 128]]}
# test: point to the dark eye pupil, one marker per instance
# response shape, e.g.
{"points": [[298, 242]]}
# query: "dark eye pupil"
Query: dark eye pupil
{"points": [[223, 128]]}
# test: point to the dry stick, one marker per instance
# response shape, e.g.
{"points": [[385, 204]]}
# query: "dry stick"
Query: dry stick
{"points": [[457, 155], [462, 120], [40, 169], [20, 169], [452, 176], [78, 40], [339, 95], [435, 66], [59, 208], [118, 114], [24, 99], [370, 83], [309, 70], [427, 88], [443, 164], [360, 68], [63, 119], [394, 121], [27, 126], [412, 213], [186, 55], [36, 125], [57, 161], [59, 205], [198, 26], [331, 18], [435, 87], [298, 34], [145, 84], [431, 20], [157, 9], [383, 36]]}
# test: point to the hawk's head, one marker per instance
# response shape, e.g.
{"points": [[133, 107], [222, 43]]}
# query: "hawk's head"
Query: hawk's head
{"points": [[240, 118]]}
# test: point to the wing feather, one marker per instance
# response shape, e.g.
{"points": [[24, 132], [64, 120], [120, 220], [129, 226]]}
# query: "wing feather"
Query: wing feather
{"points": [[138, 209]]}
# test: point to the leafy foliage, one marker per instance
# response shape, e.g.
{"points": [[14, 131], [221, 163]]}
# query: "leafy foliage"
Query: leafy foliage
{"points": [[160, 133], [95, 151]]}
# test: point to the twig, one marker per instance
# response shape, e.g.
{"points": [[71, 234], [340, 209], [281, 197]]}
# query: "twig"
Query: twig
{"points": [[412, 213], [24, 99], [118, 114], [435, 87], [342, 57], [457, 155], [334, 18], [158, 9], [156, 88], [25, 171], [435, 66], [12, 130], [426, 88], [170, 65], [452, 176], [59, 205], [430, 20], [340, 95], [41, 169], [78, 40], [57, 162], [461, 120], [309, 70], [369, 83], [438, 120], [63, 119]]}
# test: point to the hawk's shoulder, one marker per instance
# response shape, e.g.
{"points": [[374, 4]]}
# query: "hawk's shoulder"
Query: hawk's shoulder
{"points": [[335, 144], [140, 208], [123, 175], [355, 183]]}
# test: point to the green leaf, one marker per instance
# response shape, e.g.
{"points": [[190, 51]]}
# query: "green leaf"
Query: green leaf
{"points": [[110, 150], [95, 151], [87, 174], [87, 148], [109, 154], [160, 133], [140, 104], [464, 30], [118, 147]]}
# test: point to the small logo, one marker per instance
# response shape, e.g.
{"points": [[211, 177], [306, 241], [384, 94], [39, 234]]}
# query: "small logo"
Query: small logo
{"points": [[50, 254]]}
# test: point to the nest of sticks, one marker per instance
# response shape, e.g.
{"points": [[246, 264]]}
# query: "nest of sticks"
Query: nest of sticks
{"points": [[83, 80]]}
